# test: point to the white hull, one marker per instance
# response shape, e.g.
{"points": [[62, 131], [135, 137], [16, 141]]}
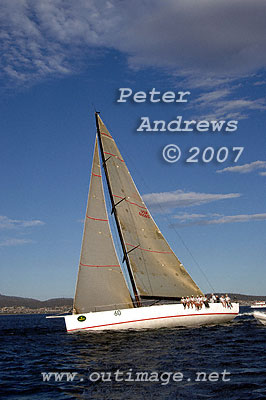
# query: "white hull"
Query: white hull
{"points": [[258, 305], [157, 316], [261, 317]]}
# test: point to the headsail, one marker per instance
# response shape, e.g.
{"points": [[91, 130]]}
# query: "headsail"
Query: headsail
{"points": [[100, 285], [156, 269]]}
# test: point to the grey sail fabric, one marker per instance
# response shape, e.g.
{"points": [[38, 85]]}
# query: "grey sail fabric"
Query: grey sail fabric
{"points": [[100, 285], [156, 269]]}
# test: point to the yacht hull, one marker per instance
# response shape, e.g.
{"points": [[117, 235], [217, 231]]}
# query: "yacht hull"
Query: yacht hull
{"points": [[258, 306], [152, 317]]}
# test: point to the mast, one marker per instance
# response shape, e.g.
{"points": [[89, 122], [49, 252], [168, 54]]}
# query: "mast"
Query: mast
{"points": [[126, 259]]}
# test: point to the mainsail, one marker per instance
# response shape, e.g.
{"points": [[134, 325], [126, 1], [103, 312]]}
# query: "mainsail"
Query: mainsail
{"points": [[156, 269], [100, 285]]}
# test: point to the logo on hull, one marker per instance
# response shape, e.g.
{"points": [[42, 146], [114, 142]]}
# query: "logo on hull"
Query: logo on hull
{"points": [[81, 318]]}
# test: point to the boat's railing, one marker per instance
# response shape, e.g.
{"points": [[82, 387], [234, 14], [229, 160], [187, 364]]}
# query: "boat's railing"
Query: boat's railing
{"points": [[116, 307], [120, 306]]}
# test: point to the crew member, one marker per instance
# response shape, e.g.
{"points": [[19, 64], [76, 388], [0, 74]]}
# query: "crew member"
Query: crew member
{"points": [[183, 301], [222, 300], [228, 301], [205, 301]]}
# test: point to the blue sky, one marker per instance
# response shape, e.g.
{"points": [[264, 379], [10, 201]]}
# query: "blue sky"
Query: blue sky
{"points": [[59, 60]]}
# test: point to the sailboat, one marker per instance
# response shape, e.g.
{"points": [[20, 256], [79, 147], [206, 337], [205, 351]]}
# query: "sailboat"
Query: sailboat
{"points": [[258, 304], [146, 292]]}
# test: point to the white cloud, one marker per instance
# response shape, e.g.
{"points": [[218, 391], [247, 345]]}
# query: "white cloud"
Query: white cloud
{"points": [[8, 223], [18, 225], [167, 201], [208, 97], [260, 83], [238, 218], [205, 36], [219, 104], [246, 168], [191, 217], [215, 219], [199, 81], [186, 216], [14, 242], [209, 40], [226, 106], [262, 173], [41, 39]]}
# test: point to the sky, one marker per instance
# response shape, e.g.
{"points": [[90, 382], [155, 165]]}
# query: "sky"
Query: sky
{"points": [[61, 60]]}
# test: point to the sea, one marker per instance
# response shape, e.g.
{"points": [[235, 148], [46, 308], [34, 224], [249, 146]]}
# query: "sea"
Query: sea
{"points": [[40, 361]]}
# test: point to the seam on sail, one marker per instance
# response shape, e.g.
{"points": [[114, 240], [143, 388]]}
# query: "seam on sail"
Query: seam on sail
{"points": [[97, 219], [149, 319], [109, 266], [152, 251], [99, 176], [105, 134], [130, 202], [111, 154]]}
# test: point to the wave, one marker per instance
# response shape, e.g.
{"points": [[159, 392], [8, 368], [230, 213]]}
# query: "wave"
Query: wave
{"points": [[245, 313]]}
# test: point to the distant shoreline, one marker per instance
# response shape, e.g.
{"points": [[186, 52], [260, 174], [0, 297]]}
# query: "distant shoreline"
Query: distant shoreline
{"points": [[11, 305], [31, 311]]}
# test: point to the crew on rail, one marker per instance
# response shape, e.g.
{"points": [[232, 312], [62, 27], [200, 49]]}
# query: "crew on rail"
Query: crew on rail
{"points": [[199, 301]]}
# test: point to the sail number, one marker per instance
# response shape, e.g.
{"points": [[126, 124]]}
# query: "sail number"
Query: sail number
{"points": [[117, 312], [172, 153], [144, 214]]}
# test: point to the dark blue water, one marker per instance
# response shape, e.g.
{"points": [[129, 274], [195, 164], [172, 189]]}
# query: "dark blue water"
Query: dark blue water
{"points": [[231, 359]]}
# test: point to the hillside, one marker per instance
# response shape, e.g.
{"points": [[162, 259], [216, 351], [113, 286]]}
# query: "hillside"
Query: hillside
{"points": [[243, 299], [12, 301], [33, 304]]}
